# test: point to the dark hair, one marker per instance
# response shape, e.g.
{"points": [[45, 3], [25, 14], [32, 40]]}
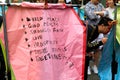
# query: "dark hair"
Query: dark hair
{"points": [[104, 21]]}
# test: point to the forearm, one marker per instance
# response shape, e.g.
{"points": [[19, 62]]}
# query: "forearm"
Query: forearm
{"points": [[101, 13]]}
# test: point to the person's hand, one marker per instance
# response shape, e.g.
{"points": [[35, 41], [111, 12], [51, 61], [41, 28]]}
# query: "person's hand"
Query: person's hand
{"points": [[104, 40], [101, 13], [111, 23], [114, 22]]}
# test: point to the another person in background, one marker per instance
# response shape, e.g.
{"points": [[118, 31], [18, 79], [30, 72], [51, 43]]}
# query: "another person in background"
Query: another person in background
{"points": [[111, 9], [94, 10]]}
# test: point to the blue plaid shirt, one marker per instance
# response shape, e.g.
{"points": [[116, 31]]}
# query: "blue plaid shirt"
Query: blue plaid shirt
{"points": [[90, 8]]}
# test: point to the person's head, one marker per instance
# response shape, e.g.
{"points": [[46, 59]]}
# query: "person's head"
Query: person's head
{"points": [[103, 29], [104, 25], [95, 1], [111, 3]]}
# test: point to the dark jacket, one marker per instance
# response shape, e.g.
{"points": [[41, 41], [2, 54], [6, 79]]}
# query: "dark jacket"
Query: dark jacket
{"points": [[92, 34]]}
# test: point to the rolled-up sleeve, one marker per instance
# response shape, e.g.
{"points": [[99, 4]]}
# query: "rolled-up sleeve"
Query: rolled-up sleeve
{"points": [[92, 46]]}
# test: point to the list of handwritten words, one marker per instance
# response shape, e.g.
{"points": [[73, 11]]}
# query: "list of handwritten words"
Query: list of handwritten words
{"points": [[37, 26]]}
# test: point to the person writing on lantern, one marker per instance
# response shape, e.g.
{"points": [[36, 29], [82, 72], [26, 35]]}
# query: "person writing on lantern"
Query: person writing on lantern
{"points": [[94, 10], [93, 32]]}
